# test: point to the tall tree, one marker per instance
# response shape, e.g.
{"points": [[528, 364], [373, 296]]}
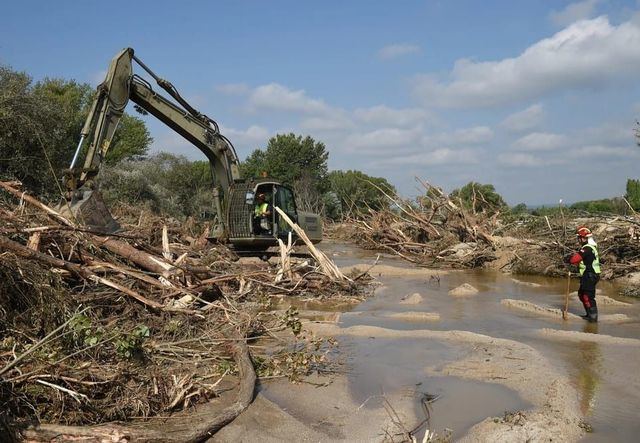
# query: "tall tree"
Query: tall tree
{"points": [[35, 126], [290, 157], [254, 165], [480, 198], [296, 161], [357, 192], [40, 126], [633, 193], [132, 139]]}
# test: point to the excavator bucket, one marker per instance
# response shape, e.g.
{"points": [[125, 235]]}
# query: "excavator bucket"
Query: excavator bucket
{"points": [[90, 211]]}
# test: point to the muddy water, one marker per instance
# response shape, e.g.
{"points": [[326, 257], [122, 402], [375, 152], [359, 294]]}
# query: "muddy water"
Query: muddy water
{"points": [[380, 366], [604, 375]]}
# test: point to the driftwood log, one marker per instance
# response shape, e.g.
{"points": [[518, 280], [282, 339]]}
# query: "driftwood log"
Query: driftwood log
{"points": [[81, 271], [141, 258]]}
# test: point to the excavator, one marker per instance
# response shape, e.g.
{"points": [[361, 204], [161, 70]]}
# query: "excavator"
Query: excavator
{"points": [[233, 216]]}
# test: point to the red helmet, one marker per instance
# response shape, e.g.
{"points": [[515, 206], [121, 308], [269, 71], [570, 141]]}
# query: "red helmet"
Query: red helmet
{"points": [[583, 232]]}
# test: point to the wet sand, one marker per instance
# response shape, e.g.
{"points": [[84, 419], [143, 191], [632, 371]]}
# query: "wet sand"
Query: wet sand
{"points": [[575, 336], [527, 306], [383, 270], [500, 361]]}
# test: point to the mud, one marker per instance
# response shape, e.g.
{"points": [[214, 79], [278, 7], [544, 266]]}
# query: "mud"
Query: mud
{"points": [[412, 299], [527, 306], [414, 316], [501, 361], [575, 336], [463, 290], [399, 270], [602, 300], [526, 283], [275, 424]]}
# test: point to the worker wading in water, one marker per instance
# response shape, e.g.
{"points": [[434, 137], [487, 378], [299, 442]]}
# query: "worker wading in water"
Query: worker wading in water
{"points": [[588, 262]]}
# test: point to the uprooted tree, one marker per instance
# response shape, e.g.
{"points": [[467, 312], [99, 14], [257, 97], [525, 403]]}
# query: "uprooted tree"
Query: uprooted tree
{"points": [[145, 323]]}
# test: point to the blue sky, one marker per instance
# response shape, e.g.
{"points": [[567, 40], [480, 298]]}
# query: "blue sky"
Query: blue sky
{"points": [[538, 98]]}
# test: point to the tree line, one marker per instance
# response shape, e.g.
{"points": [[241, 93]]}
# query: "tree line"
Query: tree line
{"points": [[40, 124]]}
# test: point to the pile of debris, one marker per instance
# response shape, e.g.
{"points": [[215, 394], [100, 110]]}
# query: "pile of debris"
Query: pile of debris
{"points": [[540, 245], [436, 231], [150, 321], [433, 230]]}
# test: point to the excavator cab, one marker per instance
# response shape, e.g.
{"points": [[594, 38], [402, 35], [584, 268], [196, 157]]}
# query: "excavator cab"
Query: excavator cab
{"points": [[251, 232]]}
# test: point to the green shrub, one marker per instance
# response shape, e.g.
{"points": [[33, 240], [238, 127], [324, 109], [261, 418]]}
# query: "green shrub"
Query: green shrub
{"points": [[167, 184]]}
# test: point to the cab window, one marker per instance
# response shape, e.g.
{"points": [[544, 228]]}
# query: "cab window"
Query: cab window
{"points": [[286, 201]]}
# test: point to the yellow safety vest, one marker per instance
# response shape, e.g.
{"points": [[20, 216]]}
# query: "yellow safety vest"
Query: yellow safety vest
{"points": [[596, 261], [261, 209]]}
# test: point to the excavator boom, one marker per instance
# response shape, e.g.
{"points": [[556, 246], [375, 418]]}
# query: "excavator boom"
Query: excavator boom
{"points": [[235, 220], [120, 86]]}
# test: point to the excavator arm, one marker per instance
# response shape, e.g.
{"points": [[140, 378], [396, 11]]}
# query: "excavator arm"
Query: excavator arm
{"points": [[122, 85]]}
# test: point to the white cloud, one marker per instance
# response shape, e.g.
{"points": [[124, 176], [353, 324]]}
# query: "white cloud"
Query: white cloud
{"points": [[384, 141], [277, 97], [335, 122], [574, 12], [169, 141], [519, 159], [233, 88], [439, 156], [384, 115], [587, 152], [586, 54], [243, 139], [464, 136], [392, 141], [611, 134], [252, 136], [541, 141], [525, 120], [397, 50]]}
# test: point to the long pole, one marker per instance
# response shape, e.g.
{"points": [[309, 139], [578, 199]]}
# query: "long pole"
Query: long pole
{"points": [[566, 297]]}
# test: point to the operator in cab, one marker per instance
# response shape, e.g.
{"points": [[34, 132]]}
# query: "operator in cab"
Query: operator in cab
{"points": [[262, 215]]}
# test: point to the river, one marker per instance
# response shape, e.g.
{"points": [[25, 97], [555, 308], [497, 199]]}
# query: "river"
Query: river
{"points": [[603, 374]]}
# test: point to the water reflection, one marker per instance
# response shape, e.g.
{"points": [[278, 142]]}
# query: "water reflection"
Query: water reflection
{"points": [[603, 375], [587, 361]]}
